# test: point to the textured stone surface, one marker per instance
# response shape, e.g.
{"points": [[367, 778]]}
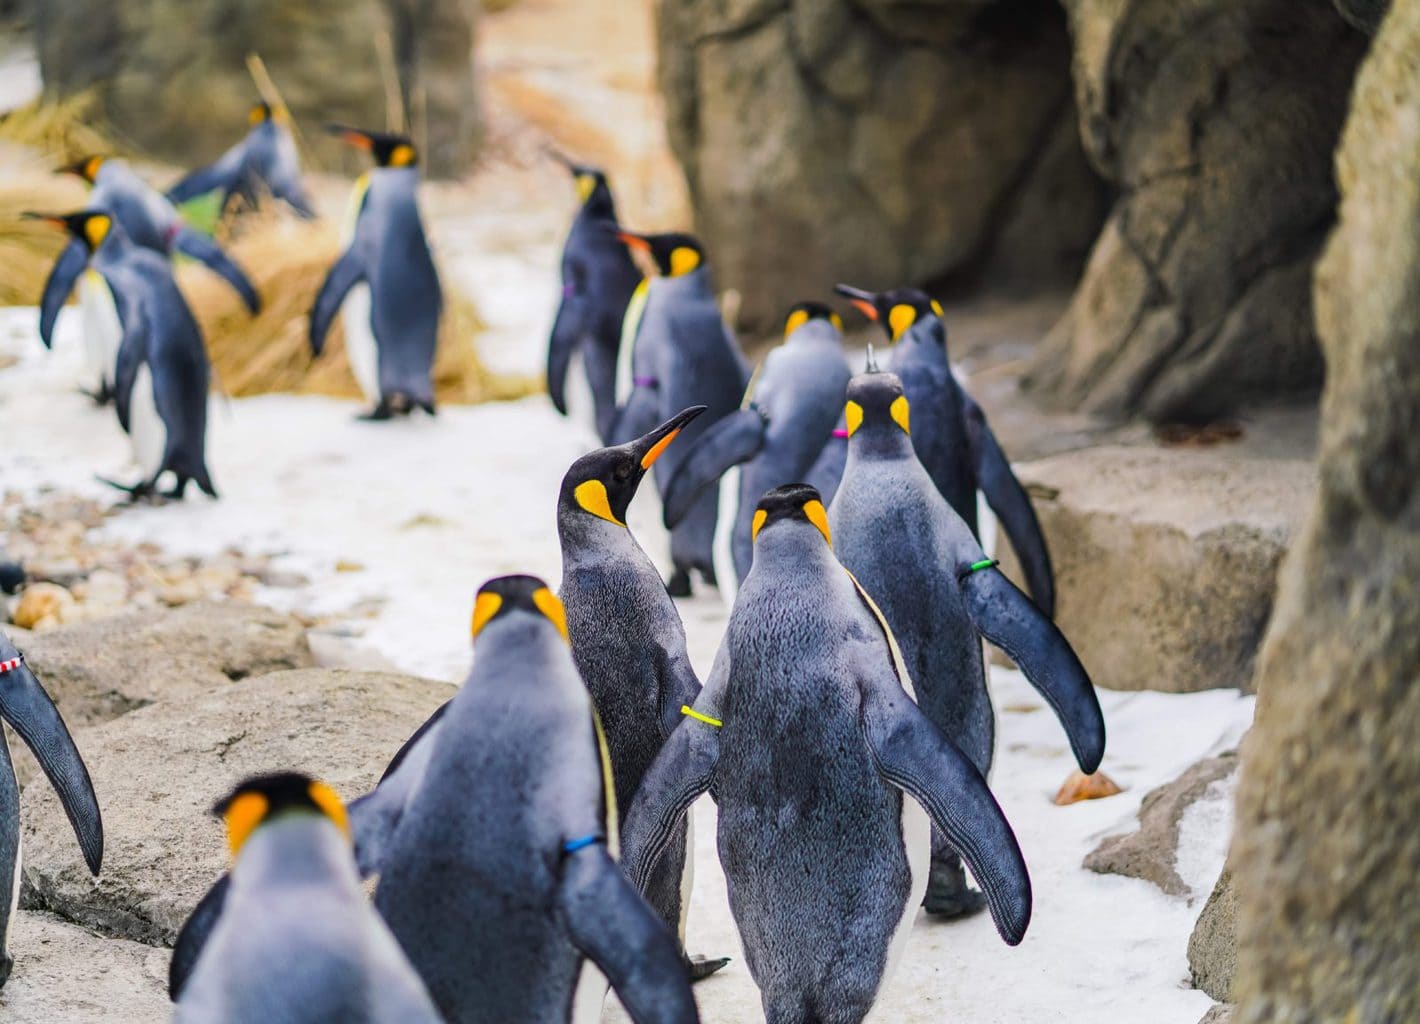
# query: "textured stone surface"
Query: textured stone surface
{"points": [[1220, 1014], [1213, 946], [876, 142], [157, 772], [1165, 558], [1326, 844], [1216, 119]]}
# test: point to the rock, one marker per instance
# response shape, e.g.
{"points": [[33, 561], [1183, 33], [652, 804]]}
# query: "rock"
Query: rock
{"points": [[876, 142], [1151, 852], [42, 606], [1326, 846], [1216, 120], [99, 670], [1165, 559], [158, 770], [65, 974], [1364, 14], [1080, 786], [103, 587], [1213, 946], [1219, 1014]]}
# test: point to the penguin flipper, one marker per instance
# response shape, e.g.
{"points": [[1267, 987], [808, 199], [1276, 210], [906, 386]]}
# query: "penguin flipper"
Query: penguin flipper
{"points": [[679, 685], [730, 441], [204, 250], [58, 285], [375, 816], [567, 332], [1007, 618], [221, 174], [33, 716], [132, 352], [614, 927], [1008, 499], [637, 417], [347, 272], [914, 756], [193, 936]]}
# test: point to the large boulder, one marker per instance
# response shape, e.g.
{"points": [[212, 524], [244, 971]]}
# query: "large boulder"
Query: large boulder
{"points": [[157, 772], [1213, 946], [1165, 558], [1327, 846], [1216, 120], [876, 142], [65, 974]]}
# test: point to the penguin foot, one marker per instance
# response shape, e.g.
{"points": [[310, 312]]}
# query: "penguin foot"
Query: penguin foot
{"points": [[379, 412], [948, 895], [100, 397], [679, 583], [700, 968], [144, 490]]}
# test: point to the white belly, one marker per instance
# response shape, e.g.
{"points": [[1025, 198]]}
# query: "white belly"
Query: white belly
{"points": [[917, 844], [581, 406], [146, 431], [722, 553], [102, 330], [360, 341]]}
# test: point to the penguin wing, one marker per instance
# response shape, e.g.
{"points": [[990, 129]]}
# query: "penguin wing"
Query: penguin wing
{"points": [[679, 686], [375, 816], [30, 712], [1009, 620], [913, 755], [571, 325], [730, 441], [192, 937], [347, 272], [223, 174], [614, 927], [58, 285], [132, 352], [1008, 499], [204, 250]]}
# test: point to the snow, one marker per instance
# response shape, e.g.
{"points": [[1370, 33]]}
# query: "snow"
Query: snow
{"points": [[428, 509]]}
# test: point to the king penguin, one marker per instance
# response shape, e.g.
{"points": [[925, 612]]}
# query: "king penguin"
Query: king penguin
{"points": [[387, 283], [162, 374], [297, 941], [151, 221], [598, 279], [940, 594], [27, 709], [776, 436], [627, 638], [951, 435], [682, 354], [264, 163], [826, 775]]}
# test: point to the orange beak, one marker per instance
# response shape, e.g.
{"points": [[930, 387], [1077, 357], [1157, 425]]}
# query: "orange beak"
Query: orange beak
{"points": [[866, 308], [634, 241]]}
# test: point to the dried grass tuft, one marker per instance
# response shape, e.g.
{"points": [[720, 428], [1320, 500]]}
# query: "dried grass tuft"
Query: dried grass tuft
{"points": [[63, 129], [29, 248]]}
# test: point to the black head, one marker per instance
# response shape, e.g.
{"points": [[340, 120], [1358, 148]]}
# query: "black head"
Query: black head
{"points": [[675, 254], [260, 798], [588, 179], [791, 503], [388, 150], [87, 168], [896, 310], [504, 594], [91, 227], [602, 483], [875, 401], [262, 112], [801, 313]]}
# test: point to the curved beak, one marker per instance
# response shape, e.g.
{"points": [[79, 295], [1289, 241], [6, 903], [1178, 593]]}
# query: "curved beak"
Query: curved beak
{"points": [[560, 157], [76, 169], [650, 447], [866, 302], [351, 136], [48, 218], [634, 241]]}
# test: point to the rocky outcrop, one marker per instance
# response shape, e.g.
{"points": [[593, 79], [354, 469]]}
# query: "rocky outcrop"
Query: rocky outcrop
{"points": [[1326, 843], [1213, 946], [65, 974], [877, 142], [1216, 120], [1221, 1014], [1165, 558]]}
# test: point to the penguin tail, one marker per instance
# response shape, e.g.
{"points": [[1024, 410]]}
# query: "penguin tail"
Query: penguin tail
{"points": [[427, 404], [204, 482]]}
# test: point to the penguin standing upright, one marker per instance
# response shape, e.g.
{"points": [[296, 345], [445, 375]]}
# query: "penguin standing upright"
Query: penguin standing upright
{"points": [[162, 374], [150, 220], [776, 437], [27, 709], [940, 593], [598, 279], [297, 941], [683, 354], [387, 272], [264, 163], [950, 433], [807, 736], [627, 638]]}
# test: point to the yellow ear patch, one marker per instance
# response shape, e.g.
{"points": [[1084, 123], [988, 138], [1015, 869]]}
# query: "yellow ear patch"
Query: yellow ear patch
{"points": [[796, 320], [485, 606], [836, 320], [656, 449], [256, 114], [586, 185], [551, 606], [330, 804], [853, 416], [402, 155], [900, 318], [683, 260], [755, 524], [243, 815], [818, 515], [91, 167], [937, 308], [592, 496], [899, 410], [96, 229]]}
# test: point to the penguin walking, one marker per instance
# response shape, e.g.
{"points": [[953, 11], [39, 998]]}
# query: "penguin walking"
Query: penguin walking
{"points": [[264, 163], [950, 433], [27, 709], [627, 638], [151, 221], [776, 436], [387, 283], [598, 279], [940, 594], [162, 374], [297, 941], [683, 354], [808, 738]]}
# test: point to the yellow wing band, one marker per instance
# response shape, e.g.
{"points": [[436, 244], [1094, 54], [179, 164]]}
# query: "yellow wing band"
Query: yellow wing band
{"points": [[690, 712]]}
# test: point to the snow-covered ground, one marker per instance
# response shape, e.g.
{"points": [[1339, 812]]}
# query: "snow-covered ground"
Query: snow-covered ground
{"points": [[418, 513]]}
